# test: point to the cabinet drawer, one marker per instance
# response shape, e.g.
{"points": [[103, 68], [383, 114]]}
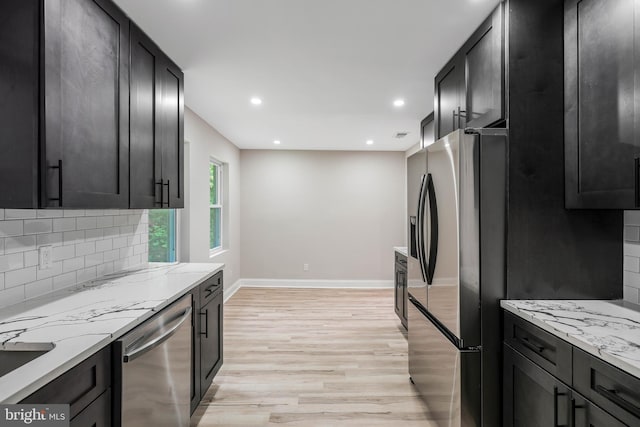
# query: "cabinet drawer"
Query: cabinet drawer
{"points": [[79, 386], [210, 288], [401, 260], [613, 390], [548, 351], [98, 414]]}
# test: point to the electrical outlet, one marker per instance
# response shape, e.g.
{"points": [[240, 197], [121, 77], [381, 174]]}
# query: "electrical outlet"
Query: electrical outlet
{"points": [[305, 267], [45, 255]]}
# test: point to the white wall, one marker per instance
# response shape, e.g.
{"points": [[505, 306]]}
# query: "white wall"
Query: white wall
{"points": [[86, 244], [340, 212], [203, 142]]}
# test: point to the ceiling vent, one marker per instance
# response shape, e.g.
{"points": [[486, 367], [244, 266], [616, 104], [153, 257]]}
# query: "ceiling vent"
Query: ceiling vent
{"points": [[401, 135]]}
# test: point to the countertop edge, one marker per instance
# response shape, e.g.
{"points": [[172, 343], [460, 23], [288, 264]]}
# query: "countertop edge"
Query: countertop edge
{"points": [[60, 369], [594, 351]]}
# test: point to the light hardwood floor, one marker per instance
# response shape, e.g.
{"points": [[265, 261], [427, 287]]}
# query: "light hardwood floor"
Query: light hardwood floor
{"points": [[312, 357]]}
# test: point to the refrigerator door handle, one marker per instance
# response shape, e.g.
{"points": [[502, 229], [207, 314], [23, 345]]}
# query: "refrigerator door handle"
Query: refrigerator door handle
{"points": [[433, 232], [420, 230]]}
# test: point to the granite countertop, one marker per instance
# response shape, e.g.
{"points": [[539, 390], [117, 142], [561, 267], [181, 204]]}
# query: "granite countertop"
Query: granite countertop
{"points": [[609, 330], [401, 250], [81, 320]]}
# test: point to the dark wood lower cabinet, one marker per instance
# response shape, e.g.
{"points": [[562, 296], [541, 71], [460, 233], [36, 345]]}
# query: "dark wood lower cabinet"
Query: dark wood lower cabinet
{"points": [[85, 387], [532, 397], [207, 350], [400, 286], [591, 393]]}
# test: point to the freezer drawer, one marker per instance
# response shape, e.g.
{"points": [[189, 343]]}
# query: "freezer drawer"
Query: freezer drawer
{"points": [[447, 378]]}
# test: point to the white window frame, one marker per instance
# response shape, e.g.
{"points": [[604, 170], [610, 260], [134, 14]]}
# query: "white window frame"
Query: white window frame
{"points": [[220, 192]]}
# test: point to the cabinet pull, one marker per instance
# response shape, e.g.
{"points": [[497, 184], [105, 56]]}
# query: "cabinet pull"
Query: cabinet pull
{"points": [[59, 198], [557, 394], [206, 323], [530, 345], [168, 193], [614, 396], [637, 181], [573, 411], [161, 184]]}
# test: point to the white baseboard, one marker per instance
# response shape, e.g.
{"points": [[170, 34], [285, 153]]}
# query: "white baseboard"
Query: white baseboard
{"points": [[330, 284], [228, 292]]}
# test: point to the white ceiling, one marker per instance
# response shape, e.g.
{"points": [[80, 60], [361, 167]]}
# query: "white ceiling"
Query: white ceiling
{"points": [[327, 70]]}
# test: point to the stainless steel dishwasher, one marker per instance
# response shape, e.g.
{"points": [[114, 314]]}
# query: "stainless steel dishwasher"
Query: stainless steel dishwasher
{"points": [[155, 370]]}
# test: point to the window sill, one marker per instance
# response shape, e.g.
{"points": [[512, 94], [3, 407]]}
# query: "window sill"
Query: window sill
{"points": [[215, 252]]}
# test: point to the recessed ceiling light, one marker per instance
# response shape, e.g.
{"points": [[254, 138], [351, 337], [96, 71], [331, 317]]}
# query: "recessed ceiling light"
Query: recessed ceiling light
{"points": [[256, 101], [398, 103], [276, 142], [369, 141]]}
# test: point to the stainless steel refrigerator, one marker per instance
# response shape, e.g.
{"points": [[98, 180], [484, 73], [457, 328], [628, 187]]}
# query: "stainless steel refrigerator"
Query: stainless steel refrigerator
{"points": [[456, 274]]}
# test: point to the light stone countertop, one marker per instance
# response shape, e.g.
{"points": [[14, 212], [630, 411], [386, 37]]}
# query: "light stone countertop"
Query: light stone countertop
{"points": [[609, 330], [401, 250], [83, 319]]}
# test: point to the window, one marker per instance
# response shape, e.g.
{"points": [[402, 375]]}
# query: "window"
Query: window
{"points": [[162, 235], [215, 206]]}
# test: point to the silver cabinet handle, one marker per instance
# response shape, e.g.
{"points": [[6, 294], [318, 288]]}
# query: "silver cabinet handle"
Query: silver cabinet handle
{"points": [[129, 357]]}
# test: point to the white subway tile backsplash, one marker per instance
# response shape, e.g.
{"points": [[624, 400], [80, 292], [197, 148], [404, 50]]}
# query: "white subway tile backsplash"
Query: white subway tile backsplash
{"points": [[73, 237], [632, 218], [631, 294], [19, 277], [64, 224], [19, 244], [104, 222], [631, 264], [72, 264], [93, 234], [19, 213], [38, 288], [11, 262], [85, 248], [86, 223], [61, 253], [11, 228], [105, 245], [55, 270], [87, 244], [53, 239], [38, 226], [64, 280], [630, 278], [631, 233], [31, 258], [49, 213]]}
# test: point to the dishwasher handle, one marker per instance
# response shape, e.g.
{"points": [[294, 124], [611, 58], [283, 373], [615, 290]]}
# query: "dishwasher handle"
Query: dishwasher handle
{"points": [[130, 357]]}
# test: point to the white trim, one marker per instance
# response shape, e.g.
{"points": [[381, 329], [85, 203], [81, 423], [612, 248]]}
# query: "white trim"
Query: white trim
{"points": [[228, 292], [293, 283]]}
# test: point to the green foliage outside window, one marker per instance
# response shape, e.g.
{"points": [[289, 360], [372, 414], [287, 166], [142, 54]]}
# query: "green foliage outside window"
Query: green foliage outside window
{"points": [[162, 235]]}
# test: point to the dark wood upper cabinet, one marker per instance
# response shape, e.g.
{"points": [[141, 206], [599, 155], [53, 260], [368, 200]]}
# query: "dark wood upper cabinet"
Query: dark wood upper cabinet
{"points": [[484, 72], [157, 126], [602, 104], [77, 85], [469, 89], [86, 105], [449, 97]]}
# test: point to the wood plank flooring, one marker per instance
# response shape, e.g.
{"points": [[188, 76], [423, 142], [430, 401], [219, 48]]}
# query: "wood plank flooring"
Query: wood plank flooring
{"points": [[312, 357]]}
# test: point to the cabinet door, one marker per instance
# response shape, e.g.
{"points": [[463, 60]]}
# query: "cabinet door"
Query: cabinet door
{"points": [[405, 301], [145, 96], [86, 91], [210, 342], [449, 108], [172, 133], [586, 414], [602, 103], [98, 414], [484, 69], [532, 397], [19, 103], [195, 349], [397, 293]]}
